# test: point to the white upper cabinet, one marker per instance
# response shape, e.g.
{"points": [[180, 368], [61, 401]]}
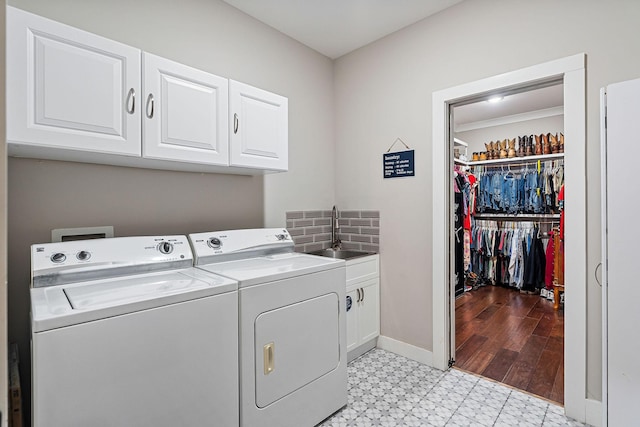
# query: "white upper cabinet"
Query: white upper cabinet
{"points": [[70, 89], [76, 96], [259, 136], [185, 113]]}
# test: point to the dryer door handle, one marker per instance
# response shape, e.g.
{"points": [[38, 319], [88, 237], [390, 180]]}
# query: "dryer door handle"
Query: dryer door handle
{"points": [[268, 355]]}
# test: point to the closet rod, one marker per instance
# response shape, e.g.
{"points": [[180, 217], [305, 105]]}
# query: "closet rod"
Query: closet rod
{"points": [[513, 160], [505, 217], [507, 165], [546, 221]]}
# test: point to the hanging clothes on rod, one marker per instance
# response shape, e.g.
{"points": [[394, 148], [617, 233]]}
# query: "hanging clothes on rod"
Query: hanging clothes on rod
{"points": [[464, 198], [528, 188], [509, 253]]}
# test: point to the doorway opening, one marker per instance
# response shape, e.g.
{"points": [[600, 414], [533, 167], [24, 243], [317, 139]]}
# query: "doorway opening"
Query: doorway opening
{"points": [[571, 72], [508, 188]]}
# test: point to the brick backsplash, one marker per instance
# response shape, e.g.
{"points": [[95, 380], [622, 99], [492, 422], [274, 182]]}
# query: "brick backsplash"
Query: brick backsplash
{"points": [[359, 230], [311, 230]]}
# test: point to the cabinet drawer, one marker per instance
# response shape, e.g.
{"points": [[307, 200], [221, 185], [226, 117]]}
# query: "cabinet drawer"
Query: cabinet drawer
{"points": [[361, 269]]}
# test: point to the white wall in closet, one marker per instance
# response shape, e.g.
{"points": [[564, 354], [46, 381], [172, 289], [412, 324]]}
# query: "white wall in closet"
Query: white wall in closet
{"points": [[477, 138]]}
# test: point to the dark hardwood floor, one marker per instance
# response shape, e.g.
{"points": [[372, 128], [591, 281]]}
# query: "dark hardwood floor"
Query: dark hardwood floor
{"points": [[516, 339]]}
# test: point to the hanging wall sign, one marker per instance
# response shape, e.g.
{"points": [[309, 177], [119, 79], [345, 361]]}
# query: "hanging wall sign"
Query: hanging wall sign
{"points": [[398, 164]]}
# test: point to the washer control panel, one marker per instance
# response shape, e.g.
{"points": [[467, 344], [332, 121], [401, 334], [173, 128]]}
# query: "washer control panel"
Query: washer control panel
{"points": [[230, 242], [214, 243], [58, 257], [62, 259], [165, 247]]}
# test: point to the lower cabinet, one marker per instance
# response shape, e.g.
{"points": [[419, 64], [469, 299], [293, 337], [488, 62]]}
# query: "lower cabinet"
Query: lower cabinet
{"points": [[363, 305]]}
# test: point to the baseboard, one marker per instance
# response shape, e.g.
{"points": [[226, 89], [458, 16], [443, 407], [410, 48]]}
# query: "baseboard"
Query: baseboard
{"points": [[407, 350], [593, 412], [362, 349]]}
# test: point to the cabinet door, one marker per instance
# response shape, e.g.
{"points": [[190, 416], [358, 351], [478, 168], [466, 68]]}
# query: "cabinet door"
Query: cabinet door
{"points": [[185, 113], [71, 89], [369, 310], [352, 320], [258, 128]]}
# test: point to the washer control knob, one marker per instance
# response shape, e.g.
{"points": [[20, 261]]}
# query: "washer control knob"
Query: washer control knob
{"points": [[83, 255], [214, 243], [58, 257], [281, 237], [165, 247]]}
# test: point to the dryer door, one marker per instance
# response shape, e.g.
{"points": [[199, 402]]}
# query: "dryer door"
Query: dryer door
{"points": [[295, 345]]}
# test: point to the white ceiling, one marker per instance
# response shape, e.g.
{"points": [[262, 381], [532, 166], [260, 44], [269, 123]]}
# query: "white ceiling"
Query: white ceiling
{"points": [[519, 104], [337, 27]]}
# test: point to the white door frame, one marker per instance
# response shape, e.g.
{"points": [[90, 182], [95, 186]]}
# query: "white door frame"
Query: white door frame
{"points": [[572, 70]]}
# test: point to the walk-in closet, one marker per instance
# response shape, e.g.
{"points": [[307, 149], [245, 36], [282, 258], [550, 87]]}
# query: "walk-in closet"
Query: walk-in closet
{"points": [[508, 238]]}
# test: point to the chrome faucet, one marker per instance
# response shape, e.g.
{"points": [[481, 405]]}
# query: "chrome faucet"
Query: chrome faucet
{"points": [[335, 241]]}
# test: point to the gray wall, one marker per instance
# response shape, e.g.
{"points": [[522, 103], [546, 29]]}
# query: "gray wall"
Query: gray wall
{"points": [[212, 36], [384, 91], [368, 98]]}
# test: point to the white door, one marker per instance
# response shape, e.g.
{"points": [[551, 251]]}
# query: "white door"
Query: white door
{"points": [[294, 346], [369, 310], [623, 292], [185, 113], [70, 89], [259, 135], [352, 319]]}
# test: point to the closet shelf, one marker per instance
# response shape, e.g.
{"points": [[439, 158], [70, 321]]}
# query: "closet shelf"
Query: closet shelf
{"points": [[507, 217], [526, 159], [460, 142], [461, 162]]}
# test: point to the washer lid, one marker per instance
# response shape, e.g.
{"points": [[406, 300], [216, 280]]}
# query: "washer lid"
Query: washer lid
{"points": [[109, 293], [64, 305], [252, 271]]}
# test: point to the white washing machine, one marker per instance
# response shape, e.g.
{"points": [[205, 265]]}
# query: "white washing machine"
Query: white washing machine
{"points": [[125, 332], [293, 360]]}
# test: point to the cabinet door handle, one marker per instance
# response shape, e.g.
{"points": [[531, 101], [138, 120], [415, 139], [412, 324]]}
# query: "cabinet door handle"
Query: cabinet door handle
{"points": [[131, 99], [358, 290], [268, 355], [150, 103], [362, 289], [235, 122]]}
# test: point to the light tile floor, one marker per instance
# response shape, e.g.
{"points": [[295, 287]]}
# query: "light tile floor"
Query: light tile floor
{"points": [[389, 390]]}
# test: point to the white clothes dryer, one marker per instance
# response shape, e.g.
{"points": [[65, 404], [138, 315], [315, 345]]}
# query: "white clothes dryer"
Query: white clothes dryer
{"points": [[125, 332], [293, 361]]}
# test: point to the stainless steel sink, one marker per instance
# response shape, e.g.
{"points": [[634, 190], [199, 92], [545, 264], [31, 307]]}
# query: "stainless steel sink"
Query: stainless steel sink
{"points": [[341, 253]]}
